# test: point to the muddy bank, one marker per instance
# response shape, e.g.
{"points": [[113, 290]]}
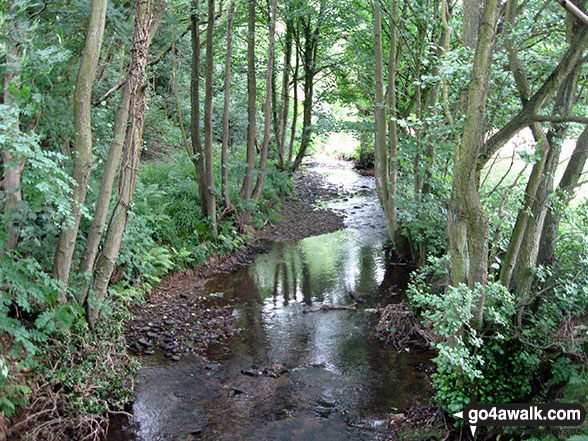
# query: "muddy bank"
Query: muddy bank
{"points": [[302, 215]]}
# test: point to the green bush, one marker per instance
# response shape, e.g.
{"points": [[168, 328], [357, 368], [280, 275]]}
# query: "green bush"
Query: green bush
{"points": [[492, 365]]}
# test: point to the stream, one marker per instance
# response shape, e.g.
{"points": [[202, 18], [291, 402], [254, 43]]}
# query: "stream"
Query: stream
{"points": [[340, 384]]}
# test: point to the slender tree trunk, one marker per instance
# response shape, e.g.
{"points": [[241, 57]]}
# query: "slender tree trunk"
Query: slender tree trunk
{"points": [[468, 219], [247, 187], [197, 155], [275, 105], [380, 145], [434, 97], [310, 53], [565, 192], [142, 35], [185, 140], [12, 164], [294, 111], [283, 115], [226, 131], [82, 164], [268, 105], [208, 154], [105, 193], [418, 171], [390, 207]]}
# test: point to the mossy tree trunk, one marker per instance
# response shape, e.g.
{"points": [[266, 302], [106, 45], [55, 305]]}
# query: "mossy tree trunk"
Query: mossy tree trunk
{"points": [[82, 160], [467, 217], [472, 15], [381, 159], [391, 192], [197, 155]]}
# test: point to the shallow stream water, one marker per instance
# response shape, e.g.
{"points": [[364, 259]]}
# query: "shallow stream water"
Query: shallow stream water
{"points": [[340, 385]]}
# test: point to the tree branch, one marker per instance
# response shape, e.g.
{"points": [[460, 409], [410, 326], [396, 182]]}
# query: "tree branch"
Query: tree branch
{"points": [[537, 101], [575, 11], [561, 119]]}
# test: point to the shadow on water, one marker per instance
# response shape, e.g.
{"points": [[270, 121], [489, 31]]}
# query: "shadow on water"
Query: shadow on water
{"points": [[340, 383]]}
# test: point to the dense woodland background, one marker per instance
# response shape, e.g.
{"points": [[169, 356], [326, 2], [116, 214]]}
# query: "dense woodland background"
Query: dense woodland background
{"points": [[142, 138]]}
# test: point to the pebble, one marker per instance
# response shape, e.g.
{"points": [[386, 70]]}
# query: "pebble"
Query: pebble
{"points": [[165, 346], [144, 343], [250, 372]]}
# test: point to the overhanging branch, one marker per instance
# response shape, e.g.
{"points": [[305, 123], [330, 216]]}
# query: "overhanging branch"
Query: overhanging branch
{"points": [[574, 10], [561, 119]]}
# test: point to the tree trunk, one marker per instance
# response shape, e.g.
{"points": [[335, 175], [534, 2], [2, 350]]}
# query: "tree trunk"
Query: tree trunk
{"points": [[12, 164], [208, 154], [283, 115], [197, 155], [82, 161], [472, 14], [390, 206], [380, 145], [468, 219], [226, 131], [247, 187], [268, 105], [294, 111], [565, 192], [310, 54], [434, 97], [106, 184], [144, 28]]}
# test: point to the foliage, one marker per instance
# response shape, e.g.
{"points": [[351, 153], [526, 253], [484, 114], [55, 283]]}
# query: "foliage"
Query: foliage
{"points": [[492, 365], [81, 378]]}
